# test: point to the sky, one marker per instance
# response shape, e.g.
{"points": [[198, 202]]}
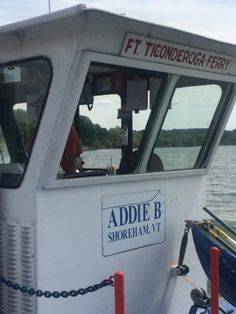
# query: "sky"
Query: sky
{"points": [[211, 18]]}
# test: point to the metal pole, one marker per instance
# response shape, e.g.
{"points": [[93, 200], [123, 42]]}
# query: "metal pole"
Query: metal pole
{"points": [[119, 293], [49, 6], [214, 275]]}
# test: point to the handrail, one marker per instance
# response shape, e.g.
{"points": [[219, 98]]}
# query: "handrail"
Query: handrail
{"points": [[220, 221], [116, 280]]}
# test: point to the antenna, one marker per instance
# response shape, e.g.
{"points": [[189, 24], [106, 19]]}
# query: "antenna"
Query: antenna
{"points": [[49, 6]]}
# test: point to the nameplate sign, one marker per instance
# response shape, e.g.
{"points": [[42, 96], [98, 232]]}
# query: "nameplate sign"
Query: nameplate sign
{"points": [[155, 50], [131, 221]]}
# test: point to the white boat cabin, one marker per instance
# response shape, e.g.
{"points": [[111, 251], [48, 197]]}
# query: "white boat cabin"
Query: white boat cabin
{"points": [[148, 106]]}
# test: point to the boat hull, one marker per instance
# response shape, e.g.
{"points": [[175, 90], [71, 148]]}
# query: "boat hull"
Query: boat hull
{"points": [[227, 262]]}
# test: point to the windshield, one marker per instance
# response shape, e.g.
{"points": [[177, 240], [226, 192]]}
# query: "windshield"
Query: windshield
{"points": [[23, 91], [190, 113], [122, 129]]}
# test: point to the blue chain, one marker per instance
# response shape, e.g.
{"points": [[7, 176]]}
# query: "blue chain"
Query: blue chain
{"points": [[55, 294]]}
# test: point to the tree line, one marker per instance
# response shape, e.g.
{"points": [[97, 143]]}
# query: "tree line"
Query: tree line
{"points": [[94, 136]]}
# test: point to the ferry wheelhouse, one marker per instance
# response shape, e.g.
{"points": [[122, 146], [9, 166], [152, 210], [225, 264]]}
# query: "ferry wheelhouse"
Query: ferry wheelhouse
{"points": [[149, 104]]}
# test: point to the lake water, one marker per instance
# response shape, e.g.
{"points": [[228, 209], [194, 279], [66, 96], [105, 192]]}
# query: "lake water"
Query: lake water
{"points": [[221, 184]]}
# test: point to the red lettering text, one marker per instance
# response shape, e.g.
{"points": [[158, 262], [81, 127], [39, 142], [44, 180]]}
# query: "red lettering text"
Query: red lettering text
{"points": [[149, 45], [137, 42], [129, 44]]}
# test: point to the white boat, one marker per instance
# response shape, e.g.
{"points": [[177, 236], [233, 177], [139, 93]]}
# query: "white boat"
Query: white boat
{"points": [[166, 95]]}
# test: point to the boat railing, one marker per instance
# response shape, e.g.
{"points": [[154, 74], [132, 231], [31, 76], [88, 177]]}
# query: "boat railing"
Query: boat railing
{"points": [[116, 281]]}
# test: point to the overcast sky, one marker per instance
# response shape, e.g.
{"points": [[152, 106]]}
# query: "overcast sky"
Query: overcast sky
{"points": [[211, 18]]}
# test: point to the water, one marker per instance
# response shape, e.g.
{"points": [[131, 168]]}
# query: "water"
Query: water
{"points": [[221, 184]]}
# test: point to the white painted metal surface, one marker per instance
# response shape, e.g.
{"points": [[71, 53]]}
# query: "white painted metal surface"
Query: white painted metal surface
{"points": [[70, 226]]}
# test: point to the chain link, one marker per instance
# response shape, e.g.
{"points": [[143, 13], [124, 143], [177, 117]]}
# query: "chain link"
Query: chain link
{"points": [[55, 294]]}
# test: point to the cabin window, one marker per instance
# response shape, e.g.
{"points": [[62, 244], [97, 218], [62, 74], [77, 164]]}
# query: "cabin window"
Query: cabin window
{"points": [[5, 156], [23, 90], [187, 121], [112, 114], [118, 128]]}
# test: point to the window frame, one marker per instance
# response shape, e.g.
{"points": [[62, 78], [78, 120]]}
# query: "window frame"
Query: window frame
{"points": [[203, 156], [15, 63]]}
